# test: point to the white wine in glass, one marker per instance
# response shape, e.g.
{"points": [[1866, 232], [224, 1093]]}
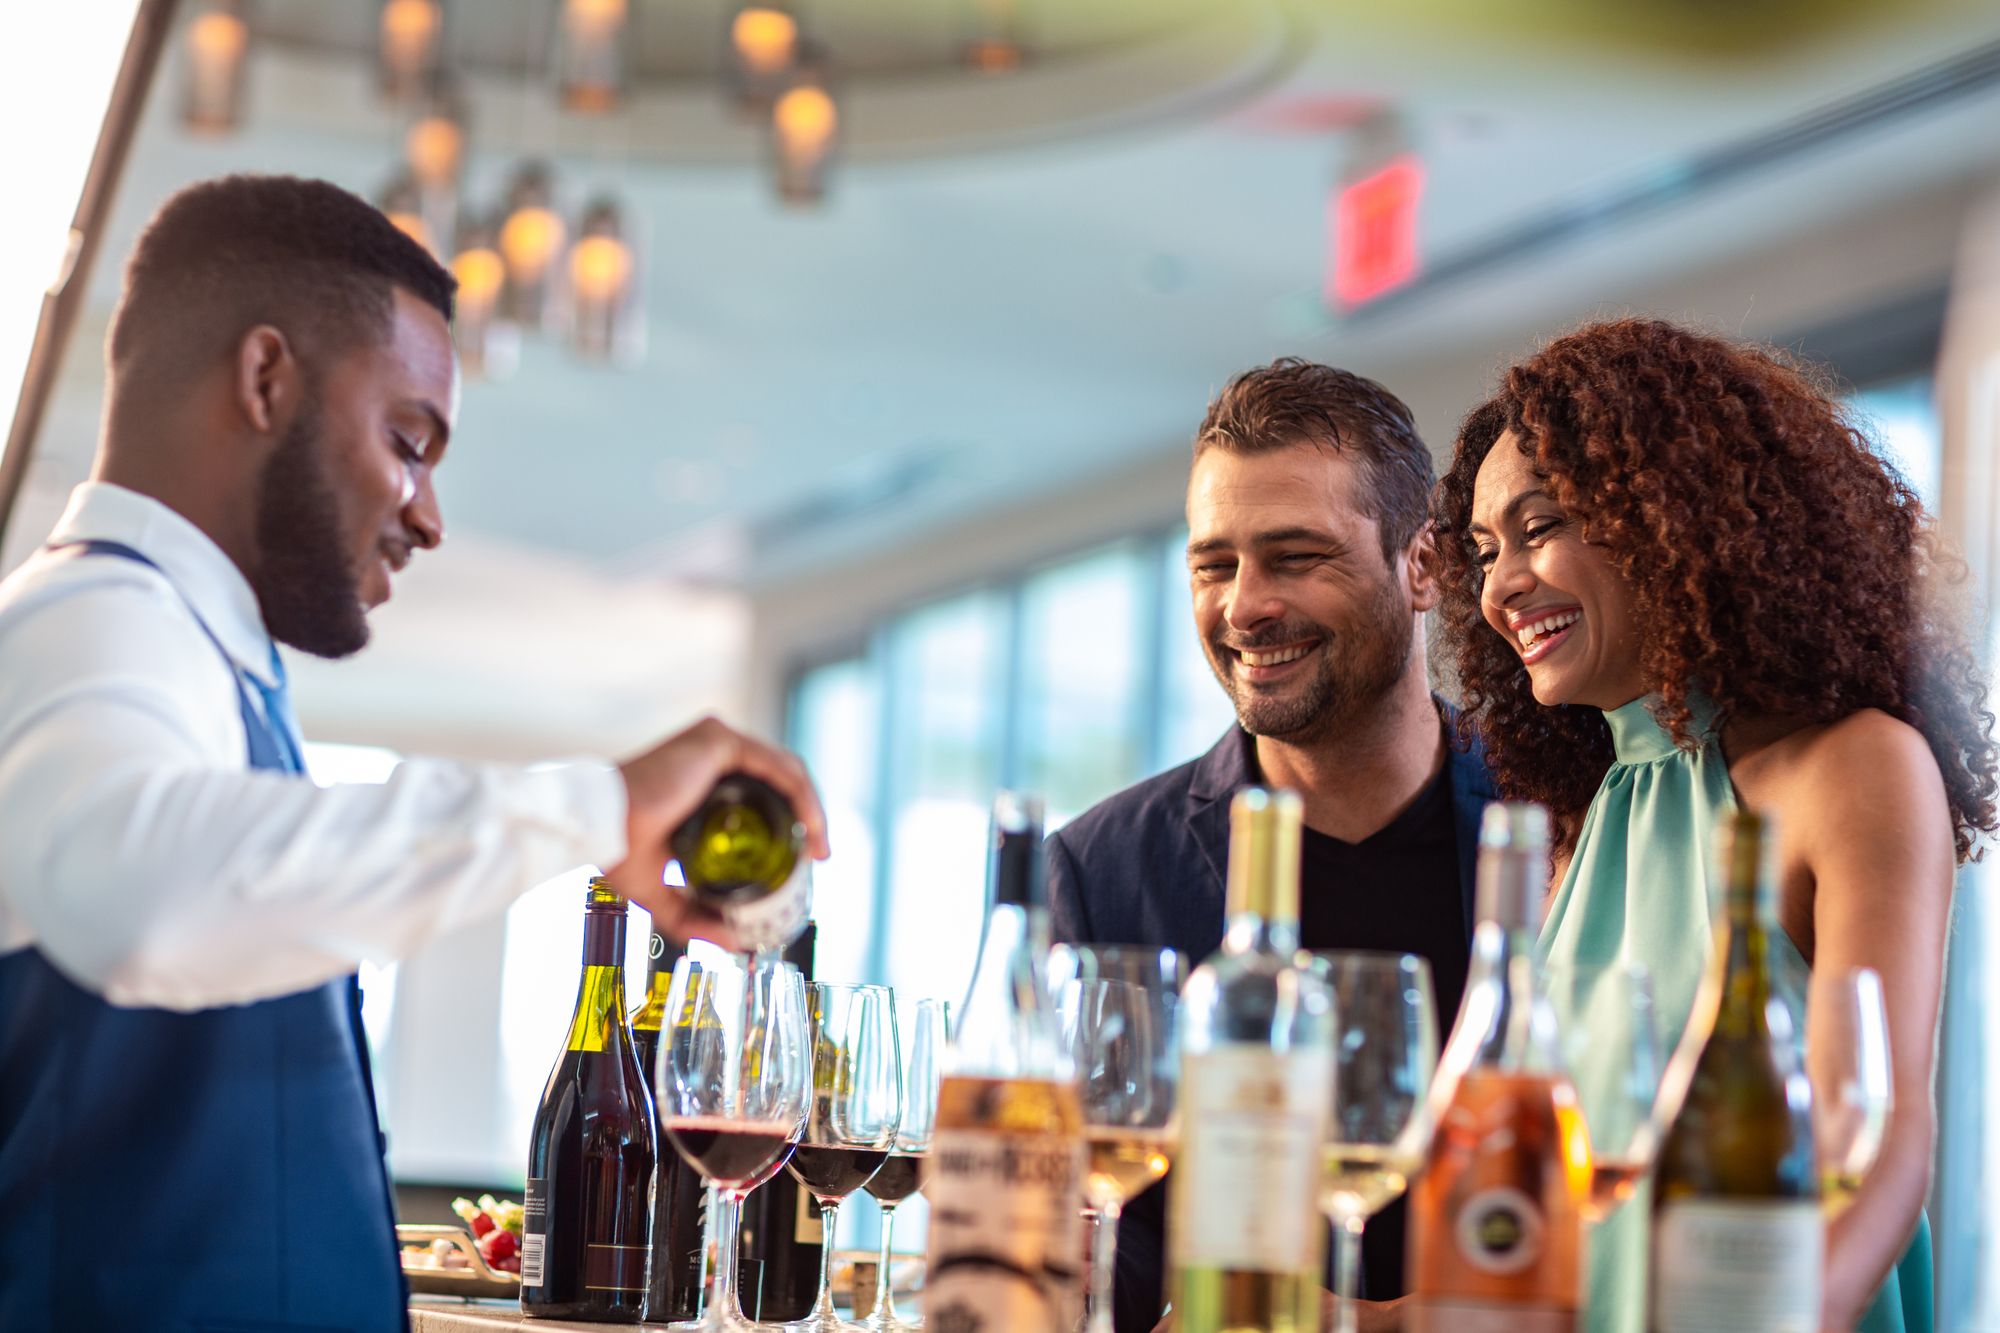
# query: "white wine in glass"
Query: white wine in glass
{"points": [[1385, 1058]]}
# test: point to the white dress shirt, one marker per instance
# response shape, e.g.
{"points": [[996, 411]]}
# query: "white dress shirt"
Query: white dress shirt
{"points": [[150, 865]]}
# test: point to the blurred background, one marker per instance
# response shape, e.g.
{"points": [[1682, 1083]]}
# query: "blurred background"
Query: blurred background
{"points": [[833, 367]]}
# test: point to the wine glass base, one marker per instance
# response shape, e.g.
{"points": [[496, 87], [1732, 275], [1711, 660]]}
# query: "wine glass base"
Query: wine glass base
{"points": [[821, 1324]]}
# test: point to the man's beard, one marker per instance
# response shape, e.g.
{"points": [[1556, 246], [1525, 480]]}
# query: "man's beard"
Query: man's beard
{"points": [[306, 588], [1353, 673]]}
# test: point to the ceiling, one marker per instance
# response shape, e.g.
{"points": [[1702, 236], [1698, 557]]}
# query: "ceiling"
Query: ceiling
{"points": [[1019, 283]]}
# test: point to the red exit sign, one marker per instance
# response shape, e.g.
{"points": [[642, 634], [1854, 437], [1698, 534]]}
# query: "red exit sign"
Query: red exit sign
{"points": [[1373, 224]]}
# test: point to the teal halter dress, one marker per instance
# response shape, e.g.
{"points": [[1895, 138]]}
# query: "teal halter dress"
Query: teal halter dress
{"points": [[1638, 889]]}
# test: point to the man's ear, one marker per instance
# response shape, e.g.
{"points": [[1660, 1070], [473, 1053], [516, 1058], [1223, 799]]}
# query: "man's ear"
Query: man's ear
{"points": [[1420, 565], [268, 383]]}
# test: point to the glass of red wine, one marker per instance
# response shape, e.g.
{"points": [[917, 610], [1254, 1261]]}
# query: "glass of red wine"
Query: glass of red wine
{"points": [[901, 1173], [856, 1106], [733, 1087]]}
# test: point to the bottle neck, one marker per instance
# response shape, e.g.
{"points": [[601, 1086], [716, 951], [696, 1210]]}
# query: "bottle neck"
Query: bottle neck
{"points": [[1746, 969], [1006, 1028], [1510, 1024], [600, 995], [1252, 932], [651, 1015]]}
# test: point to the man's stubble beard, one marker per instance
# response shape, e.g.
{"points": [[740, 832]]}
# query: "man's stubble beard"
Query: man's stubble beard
{"points": [[1354, 676], [305, 585]]}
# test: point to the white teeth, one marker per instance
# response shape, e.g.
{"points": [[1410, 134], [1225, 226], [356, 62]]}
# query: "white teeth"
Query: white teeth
{"points": [[1275, 659], [1529, 633]]}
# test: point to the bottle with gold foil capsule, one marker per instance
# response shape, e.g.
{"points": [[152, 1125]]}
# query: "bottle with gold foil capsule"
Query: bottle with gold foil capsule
{"points": [[1496, 1217], [1007, 1159], [680, 1195], [1737, 1231], [1257, 1065], [586, 1232]]}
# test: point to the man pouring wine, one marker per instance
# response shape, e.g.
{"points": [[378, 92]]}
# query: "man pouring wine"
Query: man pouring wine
{"points": [[181, 913]]}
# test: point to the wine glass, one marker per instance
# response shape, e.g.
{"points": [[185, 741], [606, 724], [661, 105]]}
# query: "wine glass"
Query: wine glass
{"points": [[1119, 1018], [1385, 1056], [856, 1107], [733, 1087], [1611, 1042], [1847, 1056], [901, 1175]]}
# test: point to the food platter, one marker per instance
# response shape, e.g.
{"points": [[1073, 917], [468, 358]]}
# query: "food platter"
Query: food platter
{"points": [[476, 1278]]}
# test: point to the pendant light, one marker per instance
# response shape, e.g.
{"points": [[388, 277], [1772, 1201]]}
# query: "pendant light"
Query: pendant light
{"points": [[489, 345], [402, 202], [218, 39], [993, 44], [763, 47], [590, 54], [531, 241], [604, 286], [409, 46], [805, 127]]}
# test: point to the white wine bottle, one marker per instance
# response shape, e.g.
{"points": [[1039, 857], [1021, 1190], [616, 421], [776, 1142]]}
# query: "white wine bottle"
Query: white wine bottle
{"points": [[1257, 1068], [1496, 1219], [742, 854], [1007, 1163], [1737, 1232]]}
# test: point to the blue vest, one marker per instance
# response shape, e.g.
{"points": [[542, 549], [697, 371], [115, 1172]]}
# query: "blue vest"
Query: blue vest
{"points": [[209, 1172]]}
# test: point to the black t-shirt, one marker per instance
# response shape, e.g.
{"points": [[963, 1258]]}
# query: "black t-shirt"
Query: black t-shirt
{"points": [[1397, 891]]}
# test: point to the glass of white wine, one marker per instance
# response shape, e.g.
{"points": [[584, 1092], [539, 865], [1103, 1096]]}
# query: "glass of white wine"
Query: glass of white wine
{"points": [[1119, 1012], [1847, 1058], [1612, 1042], [1386, 1054]]}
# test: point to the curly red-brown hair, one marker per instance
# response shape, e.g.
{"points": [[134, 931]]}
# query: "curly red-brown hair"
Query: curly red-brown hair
{"points": [[1777, 564]]}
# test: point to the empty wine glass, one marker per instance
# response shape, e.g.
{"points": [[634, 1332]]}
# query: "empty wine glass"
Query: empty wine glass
{"points": [[1612, 1045], [1386, 1054], [902, 1174], [1847, 1057], [856, 1107], [733, 1088], [1119, 1015]]}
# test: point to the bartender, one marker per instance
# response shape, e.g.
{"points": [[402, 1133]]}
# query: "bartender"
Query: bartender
{"points": [[182, 1069]]}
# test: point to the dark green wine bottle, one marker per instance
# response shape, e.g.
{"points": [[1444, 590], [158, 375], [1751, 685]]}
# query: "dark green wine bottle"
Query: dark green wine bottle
{"points": [[588, 1204], [1737, 1235], [742, 854]]}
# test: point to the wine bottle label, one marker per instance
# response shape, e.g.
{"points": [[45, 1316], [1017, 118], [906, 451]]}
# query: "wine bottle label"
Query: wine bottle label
{"points": [[534, 1229], [776, 919], [810, 1227], [1248, 1173], [1499, 1231], [1465, 1316], [1751, 1267], [1006, 1237]]}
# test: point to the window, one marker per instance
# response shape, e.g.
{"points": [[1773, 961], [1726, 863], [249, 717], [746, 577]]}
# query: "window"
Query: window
{"points": [[1073, 680]]}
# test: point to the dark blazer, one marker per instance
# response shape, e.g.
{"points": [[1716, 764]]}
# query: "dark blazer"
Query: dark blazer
{"points": [[1147, 866]]}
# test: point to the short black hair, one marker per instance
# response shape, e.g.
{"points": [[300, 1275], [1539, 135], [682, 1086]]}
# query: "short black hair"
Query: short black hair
{"points": [[225, 255], [1294, 401]]}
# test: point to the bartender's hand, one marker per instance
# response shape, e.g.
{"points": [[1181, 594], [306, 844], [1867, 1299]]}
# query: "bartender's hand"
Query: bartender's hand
{"points": [[667, 784]]}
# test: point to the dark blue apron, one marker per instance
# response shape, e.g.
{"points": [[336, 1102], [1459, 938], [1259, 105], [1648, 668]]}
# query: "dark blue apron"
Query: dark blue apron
{"points": [[212, 1171]]}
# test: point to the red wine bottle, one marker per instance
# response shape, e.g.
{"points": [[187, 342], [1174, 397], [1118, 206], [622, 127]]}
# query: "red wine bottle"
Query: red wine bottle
{"points": [[588, 1202], [680, 1195], [782, 1233]]}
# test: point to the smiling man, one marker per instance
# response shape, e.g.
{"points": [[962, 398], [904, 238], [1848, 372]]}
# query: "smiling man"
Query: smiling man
{"points": [[1310, 561], [181, 912]]}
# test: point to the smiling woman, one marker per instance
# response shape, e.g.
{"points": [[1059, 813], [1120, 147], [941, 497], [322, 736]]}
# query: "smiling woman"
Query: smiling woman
{"points": [[1679, 582]]}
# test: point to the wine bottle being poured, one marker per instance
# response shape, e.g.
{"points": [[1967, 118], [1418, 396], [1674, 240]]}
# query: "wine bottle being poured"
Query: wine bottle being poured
{"points": [[742, 855]]}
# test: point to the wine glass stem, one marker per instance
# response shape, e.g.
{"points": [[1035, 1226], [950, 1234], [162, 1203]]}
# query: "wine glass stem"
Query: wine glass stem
{"points": [[823, 1307], [1104, 1267], [721, 1306], [1347, 1271], [885, 1296]]}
